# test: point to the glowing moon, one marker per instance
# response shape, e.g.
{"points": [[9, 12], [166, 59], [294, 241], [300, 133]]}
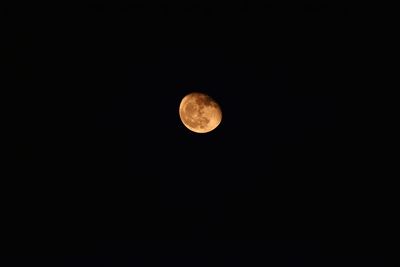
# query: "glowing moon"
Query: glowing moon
{"points": [[200, 113]]}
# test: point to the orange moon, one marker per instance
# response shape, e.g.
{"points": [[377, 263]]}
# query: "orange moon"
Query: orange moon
{"points": [[200, 113]]}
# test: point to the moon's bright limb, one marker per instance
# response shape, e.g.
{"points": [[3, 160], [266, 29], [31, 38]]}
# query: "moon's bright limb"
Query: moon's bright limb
{"points": [[200, 113]]}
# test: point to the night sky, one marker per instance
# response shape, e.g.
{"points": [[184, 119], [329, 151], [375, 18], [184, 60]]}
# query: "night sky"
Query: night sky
{"points": [[106, 174]]}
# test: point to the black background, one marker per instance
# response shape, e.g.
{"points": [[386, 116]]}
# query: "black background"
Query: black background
{"points": [[105, 172]]}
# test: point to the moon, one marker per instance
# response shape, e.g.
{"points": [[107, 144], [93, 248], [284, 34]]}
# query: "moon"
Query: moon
{"points": [[200, 113]]}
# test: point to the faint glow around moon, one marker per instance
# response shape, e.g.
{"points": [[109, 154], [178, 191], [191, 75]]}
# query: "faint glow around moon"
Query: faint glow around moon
{"points": [[200, 113]]}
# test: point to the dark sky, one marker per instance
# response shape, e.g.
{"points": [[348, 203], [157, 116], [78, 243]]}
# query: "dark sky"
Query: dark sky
{"points": [[106, 173]]}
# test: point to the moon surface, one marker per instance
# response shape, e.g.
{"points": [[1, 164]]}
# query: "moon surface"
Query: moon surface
{"points": [[200, 113]]}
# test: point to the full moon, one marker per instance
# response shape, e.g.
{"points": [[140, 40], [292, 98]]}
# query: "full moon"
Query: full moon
{"points": [[200, 113]]}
